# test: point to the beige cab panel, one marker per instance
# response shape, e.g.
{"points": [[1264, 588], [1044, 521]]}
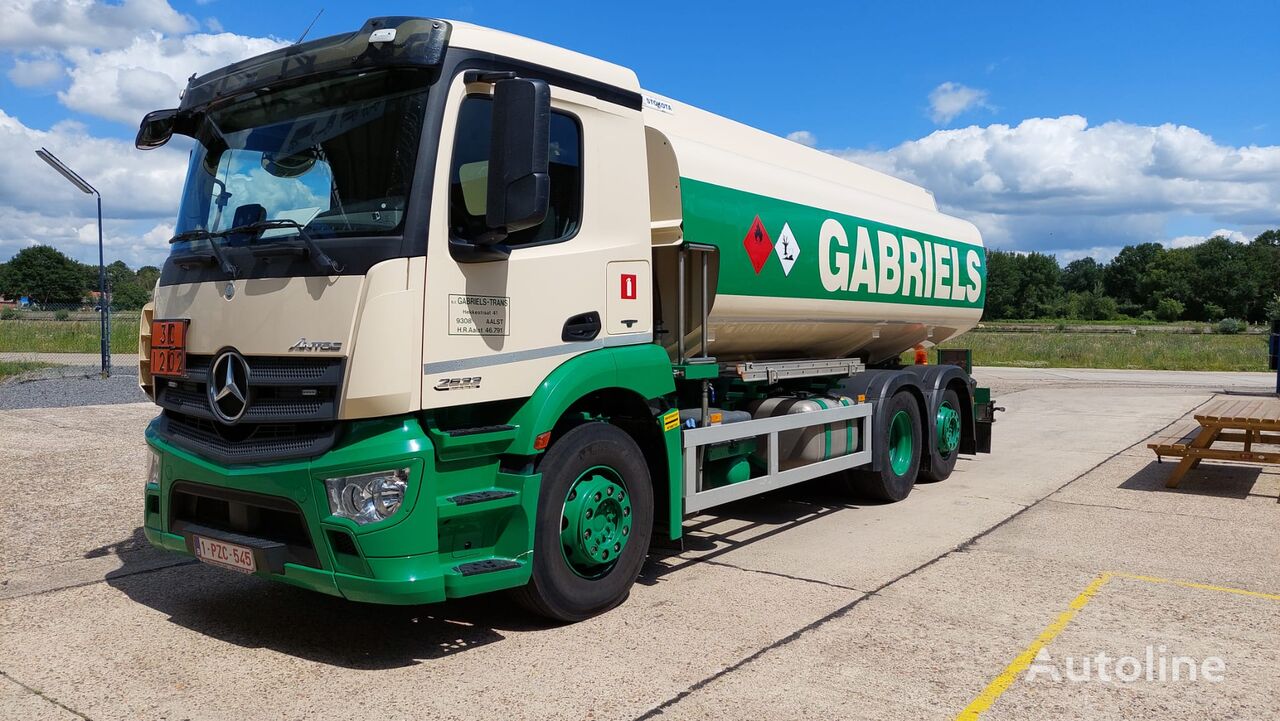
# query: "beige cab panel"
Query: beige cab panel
{"points": [[493, 330], [629, 307], [383, 371], [264, 316], [375, 320]]}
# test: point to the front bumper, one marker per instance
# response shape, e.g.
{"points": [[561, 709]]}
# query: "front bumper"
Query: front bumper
{"points": [[429, 551]]}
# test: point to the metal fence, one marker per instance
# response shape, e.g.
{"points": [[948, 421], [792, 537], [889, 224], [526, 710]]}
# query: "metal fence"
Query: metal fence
{"points": [[56, 341]]}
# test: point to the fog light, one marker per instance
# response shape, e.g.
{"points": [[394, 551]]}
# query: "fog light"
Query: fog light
{"points": [[367, 498], [153, 467]]}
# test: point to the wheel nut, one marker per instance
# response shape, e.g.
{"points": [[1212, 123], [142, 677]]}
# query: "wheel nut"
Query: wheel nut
{"points": [[589, 514], [609, 491], [586, 533], [617, 547], [598, 496]]}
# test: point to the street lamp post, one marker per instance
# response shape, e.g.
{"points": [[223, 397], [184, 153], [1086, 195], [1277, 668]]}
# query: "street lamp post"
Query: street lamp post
{"points": [[104, 307]]}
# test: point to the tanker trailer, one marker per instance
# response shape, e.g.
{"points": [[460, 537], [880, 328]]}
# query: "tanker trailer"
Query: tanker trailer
{"points": [[633, 311]]}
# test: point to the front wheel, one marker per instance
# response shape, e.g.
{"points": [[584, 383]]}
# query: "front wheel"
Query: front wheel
{"points": [[898, 447], [595, 517]]}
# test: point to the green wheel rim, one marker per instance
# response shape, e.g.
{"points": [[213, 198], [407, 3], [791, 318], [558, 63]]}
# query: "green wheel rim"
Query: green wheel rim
{"points": [[901, 449], [948, 423], [595, 522]]}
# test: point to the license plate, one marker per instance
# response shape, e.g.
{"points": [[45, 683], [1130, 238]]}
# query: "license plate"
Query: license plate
{"points": [[169, 348], [226, 555]]}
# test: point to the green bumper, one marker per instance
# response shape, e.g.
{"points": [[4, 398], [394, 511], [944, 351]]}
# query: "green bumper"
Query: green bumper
{"points": [[465, 526]]}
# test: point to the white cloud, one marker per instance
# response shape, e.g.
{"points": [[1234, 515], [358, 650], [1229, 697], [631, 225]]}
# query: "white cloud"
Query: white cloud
{"points": [[949, 100], [139, 192], [133, 183], [804, 137], [135, 242], [148, 73], [60, 24], [214, 25], [34, 72], [1186, 241], [1059, 184]]}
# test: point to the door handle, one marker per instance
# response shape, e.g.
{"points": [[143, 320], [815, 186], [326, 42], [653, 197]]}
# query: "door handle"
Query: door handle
{"points": [[584, 326]]}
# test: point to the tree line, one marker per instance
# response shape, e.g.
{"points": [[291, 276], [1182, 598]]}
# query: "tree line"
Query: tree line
{"points": [[47, 277], [1216, 279], [1211, 281]]}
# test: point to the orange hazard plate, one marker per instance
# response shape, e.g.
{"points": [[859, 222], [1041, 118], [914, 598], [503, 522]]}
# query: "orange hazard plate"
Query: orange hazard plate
{"points": [[169, 347]]}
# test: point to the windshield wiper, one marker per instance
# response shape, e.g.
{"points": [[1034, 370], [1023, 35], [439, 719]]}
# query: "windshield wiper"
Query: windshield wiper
{"points": [[201, 234], [314, 252]]}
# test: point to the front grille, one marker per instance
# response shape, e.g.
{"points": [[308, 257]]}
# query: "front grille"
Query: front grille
{"points": [[291, 413], [278, 405], [246, 442], [278, 370], [270, 518]]}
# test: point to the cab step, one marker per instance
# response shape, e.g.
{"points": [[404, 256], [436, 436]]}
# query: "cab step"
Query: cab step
{"points": [[466, 499], [488, 565]]}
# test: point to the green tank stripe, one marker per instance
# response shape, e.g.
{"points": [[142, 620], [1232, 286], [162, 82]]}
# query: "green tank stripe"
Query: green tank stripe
{"points": [[725, 217]]}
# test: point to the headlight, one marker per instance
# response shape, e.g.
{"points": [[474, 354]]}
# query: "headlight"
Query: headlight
{"points": [[153, 467], [369, 497]]}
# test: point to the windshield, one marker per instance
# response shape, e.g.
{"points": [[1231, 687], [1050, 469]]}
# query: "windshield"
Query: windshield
{"points": [[335, 157]]}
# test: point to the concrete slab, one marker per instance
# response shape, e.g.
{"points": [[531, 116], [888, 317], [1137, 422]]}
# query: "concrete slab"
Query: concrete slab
{"points": [[20, 702], [765, 615], [197, 640]]}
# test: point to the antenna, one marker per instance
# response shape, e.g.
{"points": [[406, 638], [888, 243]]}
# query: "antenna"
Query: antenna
{"points": [[313, 22]]}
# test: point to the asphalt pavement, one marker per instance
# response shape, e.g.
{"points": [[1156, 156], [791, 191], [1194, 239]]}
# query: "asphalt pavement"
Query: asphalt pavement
{"points": [[801, 604]]}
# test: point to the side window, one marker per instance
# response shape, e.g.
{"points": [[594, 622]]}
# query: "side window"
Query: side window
{"points": [[469, 176]]}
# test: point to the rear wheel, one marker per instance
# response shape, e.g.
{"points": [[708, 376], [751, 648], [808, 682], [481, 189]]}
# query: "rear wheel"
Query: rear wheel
{"points": [[595, 517], [946, 439], [898, 447]]}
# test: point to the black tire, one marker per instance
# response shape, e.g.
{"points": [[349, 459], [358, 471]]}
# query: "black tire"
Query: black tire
{"points": [[941, 464], [888, 484], [555, 589]]}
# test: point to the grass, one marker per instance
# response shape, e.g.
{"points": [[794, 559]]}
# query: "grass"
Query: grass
{"points": [[1144, 351], [68, 336], [9, 369]]}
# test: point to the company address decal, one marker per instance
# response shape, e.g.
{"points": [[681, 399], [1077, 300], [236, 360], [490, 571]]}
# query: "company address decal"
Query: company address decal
{"points": [[770, 247]]}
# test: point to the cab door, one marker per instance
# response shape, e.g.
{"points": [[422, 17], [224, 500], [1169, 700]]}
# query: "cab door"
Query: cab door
{"points": [[575, 283]]}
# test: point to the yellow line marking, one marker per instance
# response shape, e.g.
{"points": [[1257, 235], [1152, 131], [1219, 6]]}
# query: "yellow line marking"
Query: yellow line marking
{"points": [[1201, 586], [1001, 683], [1011, 672]]}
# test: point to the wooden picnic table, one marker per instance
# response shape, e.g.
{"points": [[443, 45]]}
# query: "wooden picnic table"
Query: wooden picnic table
{"points": [[1250, 421]]}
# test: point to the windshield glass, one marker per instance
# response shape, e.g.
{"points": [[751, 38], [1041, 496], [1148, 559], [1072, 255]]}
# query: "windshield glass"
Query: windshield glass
{"points": [[335, 156]]}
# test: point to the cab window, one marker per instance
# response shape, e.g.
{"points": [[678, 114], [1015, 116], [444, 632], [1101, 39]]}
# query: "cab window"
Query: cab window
{"points": [[469, 177]]}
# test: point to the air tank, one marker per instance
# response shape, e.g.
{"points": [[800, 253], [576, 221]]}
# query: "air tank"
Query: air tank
{"points": [[804, 254]]}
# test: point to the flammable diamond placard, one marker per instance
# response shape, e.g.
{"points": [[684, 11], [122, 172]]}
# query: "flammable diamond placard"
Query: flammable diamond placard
{"points": [[758, 245]]}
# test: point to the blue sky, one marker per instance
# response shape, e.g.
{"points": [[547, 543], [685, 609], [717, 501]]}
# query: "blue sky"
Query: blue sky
{"points": [[1070, 128]]}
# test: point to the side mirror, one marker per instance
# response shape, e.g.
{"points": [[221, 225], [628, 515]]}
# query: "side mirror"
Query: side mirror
{"points": [[519, 179], [156, 129]]}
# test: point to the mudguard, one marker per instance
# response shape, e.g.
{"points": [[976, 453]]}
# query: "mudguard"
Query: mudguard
{"points": [[927, 384], [878, 386]]}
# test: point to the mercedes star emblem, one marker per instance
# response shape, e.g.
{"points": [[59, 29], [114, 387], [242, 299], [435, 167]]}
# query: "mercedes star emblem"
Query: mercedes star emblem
{"points": [[229, 386], [229, 291]]}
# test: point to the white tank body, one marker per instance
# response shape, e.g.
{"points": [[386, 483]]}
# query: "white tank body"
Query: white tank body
{"points": [[815, 256]]}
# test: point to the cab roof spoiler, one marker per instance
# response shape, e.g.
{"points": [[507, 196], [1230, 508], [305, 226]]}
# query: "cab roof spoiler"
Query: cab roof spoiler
{"points": [[382, 42]]}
